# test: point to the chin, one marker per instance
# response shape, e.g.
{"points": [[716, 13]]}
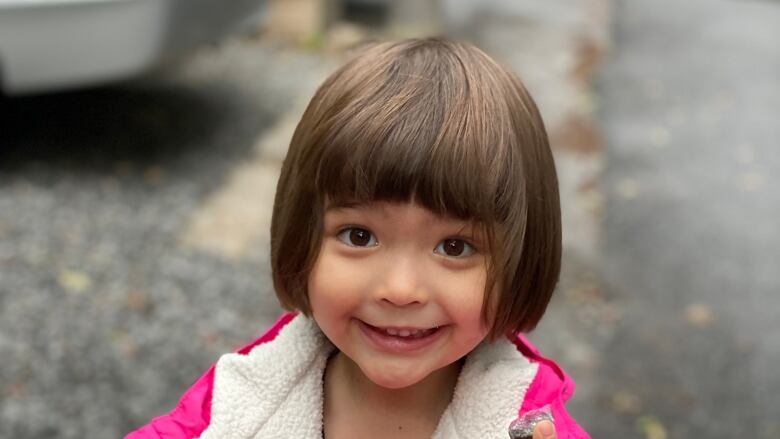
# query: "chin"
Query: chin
{"points": [[392, 381]]}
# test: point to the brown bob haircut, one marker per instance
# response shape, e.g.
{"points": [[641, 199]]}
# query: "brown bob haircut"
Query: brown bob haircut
{"points": [[440, 123]]}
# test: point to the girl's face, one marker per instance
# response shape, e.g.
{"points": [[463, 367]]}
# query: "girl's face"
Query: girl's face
{"points": [[398, 289]]}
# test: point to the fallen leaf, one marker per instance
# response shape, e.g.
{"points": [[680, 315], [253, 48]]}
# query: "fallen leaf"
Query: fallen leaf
{"points": [[124, 344], [723, 102], [751, 181], [628, 189], [745, 153], [677, 116], [128, 349], [660, 136], [16, 390], [591, 200], [625, 402], [155, 175], [587, 103], [137, 300], [124, 169], [611, 314], [651, 427], [74, 281], [210, 339], [653, 88], [771, 430], [699, 315], [585, 291]]}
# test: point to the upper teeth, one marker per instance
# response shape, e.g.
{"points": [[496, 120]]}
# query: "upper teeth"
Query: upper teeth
{"points": [[405, 332]]}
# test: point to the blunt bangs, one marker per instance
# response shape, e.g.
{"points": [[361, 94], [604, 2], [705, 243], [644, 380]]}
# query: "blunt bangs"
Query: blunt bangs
{"points": [[426, 129]]}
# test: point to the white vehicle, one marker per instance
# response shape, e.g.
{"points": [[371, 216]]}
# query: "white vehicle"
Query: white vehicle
{"points": [[60, 44]]}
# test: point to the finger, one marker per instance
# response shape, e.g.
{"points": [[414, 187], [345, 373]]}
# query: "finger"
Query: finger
{"points": [[544, 430]]}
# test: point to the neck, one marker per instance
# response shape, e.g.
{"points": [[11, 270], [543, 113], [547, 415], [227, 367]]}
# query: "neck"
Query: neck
{"points": [[431, 396]]}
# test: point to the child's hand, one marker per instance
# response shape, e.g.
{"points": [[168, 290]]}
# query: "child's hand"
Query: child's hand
{"points": [[545, 430]]}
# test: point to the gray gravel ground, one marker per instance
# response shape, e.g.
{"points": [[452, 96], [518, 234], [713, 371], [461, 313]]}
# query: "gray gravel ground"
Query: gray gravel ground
{"points": [[96, 294]]}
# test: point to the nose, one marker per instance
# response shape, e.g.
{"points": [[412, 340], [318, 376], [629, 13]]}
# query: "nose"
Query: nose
{"points": [[402, 284]]}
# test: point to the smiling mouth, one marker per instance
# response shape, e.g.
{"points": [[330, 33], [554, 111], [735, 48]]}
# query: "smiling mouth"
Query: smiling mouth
{"points": [[401, 339]]}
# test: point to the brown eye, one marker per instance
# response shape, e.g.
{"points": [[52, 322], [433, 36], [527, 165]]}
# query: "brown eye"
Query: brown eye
{"points": [[357, 237], [455, 248]]}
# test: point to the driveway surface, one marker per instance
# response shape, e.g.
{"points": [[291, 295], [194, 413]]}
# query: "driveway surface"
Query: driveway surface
{"points": [[689, 102]]}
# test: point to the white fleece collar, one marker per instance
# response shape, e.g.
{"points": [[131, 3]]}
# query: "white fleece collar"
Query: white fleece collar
{"points": [[276, 390]]}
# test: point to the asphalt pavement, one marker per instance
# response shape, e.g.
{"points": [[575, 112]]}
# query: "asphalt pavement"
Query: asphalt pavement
{"points": [[688, 105]]}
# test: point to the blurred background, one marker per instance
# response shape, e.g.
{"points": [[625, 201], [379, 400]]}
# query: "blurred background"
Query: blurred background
{"points": [[140, 142]]}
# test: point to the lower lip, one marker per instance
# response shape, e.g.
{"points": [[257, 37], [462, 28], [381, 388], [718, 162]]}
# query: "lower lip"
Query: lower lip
{"points": [[395, 344]]}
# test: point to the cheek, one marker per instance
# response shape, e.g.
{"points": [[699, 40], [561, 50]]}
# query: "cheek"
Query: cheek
{"points": [[464, 295], [335, 282]]}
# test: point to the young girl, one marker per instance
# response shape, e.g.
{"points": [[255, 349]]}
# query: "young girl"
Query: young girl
{"points": [[415, 236]]}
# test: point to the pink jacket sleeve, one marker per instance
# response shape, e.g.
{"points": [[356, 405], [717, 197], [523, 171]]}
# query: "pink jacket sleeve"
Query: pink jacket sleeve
{"points": [[192, 414], [551, 387]]}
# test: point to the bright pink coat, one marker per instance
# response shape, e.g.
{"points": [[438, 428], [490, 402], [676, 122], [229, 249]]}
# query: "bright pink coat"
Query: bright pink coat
{"points": [[551, 387]]}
